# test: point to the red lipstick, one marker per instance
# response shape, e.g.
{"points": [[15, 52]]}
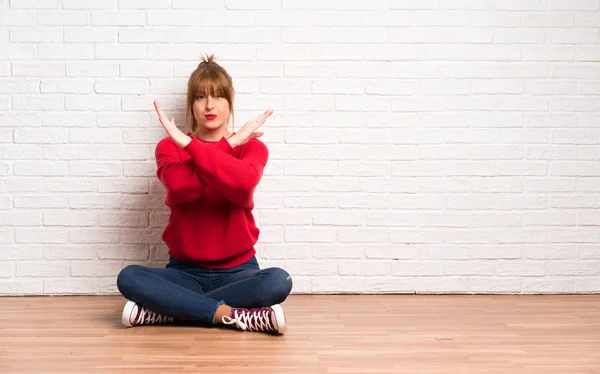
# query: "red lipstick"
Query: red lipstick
{"points": [[210, 117]]}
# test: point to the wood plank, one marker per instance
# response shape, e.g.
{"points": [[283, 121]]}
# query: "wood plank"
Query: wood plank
{"points": [[326, 334]]}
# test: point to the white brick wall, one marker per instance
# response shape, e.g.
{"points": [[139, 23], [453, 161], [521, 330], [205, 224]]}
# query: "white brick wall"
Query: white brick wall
{"points": [[439, 146]]}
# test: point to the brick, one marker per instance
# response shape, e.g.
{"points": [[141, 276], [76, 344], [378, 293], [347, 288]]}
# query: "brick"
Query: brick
{"points": [[132, 252], [141, 236], [554, 285], [41, 202], [120, 18], [69, 185], [21, 287], [123, 219], [94, 235], [587, 19], [124, 185], [57, 51], [89, 169], [464, 236], [68, 152], [99, 201], [540, 252], [178, 17], [587, 285], [21, 185], [365, 201], [580, 5], [70, 286], [69, 252], [293, 217], [63, 18], [40, 168], [359, 268], [470, 268], [42, 269], [145, 4], [41, 235], [35, 35], [143, 35], [95, 268], [494, 285], [92, 102], [310, 235], [333, 251], [21, 252], [287, 251], [92, 69], [336, 218], [39, 102], [495, 220], [315, 268], [121, 51], [17, 18], [90, 35], [70, 218], [78, 4], [446, 284], [16, 119], [66, 86], [336, 284], [7, 235], [6, 270]]}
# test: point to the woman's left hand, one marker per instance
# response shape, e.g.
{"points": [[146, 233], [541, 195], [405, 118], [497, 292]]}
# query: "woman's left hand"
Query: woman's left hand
{"points": [[177, 135], [247, 132]]}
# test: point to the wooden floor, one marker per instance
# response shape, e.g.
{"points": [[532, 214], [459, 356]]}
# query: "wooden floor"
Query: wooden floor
{"points": [[327, 334]]}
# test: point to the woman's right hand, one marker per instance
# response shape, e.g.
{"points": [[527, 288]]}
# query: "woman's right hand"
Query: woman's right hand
{"points": [[247, 132]]}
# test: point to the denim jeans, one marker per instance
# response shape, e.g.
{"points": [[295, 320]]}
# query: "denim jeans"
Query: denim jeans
{"points": [[190, 293]]}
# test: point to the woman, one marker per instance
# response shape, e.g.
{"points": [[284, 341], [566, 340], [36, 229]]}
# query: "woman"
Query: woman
{"points": [[210, 175]]}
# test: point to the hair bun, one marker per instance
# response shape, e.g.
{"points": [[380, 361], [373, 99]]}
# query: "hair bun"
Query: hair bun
{"points": [[207, 59]]}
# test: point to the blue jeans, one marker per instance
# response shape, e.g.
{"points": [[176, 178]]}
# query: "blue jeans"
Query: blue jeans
{"points": [[188, 292]]}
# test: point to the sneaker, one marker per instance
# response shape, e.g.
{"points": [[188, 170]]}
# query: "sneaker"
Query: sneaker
{"points": [[134, 315], [269, 319]]}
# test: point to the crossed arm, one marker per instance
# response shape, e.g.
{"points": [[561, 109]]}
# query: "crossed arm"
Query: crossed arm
{"points": [[234, 178], [180, 179]]}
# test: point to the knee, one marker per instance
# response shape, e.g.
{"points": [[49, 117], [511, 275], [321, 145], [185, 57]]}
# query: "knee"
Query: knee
{"points": [[282, 284], [126, 277]]}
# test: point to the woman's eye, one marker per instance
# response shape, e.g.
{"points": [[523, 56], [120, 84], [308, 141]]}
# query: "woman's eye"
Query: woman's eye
{"points": [[199, 97]]}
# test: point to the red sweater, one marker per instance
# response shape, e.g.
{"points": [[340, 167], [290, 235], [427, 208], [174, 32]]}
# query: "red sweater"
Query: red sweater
{"points": [[210, 188]]}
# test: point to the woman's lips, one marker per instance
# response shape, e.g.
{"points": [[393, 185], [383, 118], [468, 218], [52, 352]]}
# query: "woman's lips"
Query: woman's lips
{"points": [[210, 116]]}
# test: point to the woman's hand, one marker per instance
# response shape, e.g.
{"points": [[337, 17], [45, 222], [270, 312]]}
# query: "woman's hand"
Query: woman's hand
{"points": [[177, 135], [247, 132]]}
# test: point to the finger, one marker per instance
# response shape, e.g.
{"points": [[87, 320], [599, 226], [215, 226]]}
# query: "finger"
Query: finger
{"points": [[158, 110], [258, 134], [163, 119], [266, 114], [263, 117]]}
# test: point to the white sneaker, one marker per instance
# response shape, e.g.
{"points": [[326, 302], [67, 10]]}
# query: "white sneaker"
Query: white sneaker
{"points": [[269, 319], [134, 315]]}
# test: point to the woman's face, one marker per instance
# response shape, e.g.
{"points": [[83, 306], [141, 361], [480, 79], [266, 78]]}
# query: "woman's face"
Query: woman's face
{"points": [[211, 112]]}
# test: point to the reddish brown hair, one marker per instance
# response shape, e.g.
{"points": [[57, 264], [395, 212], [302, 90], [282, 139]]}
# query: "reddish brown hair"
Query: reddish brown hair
{"points": [[212, 79]]}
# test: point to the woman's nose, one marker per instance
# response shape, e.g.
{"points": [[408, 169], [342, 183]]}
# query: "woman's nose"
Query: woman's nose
{"points": [[209, 102]]}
